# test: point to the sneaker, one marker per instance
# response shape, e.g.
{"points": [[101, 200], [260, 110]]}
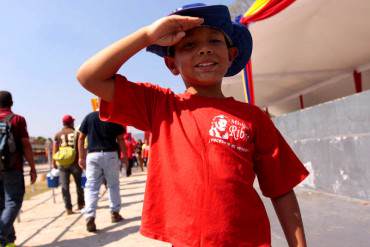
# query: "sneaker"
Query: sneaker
{"points": [[90, 224], [116, 217], [69, 211], [10, 245]]}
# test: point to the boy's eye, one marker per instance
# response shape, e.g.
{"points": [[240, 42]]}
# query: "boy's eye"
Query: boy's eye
{"points": [[215, 41], [188, 45]]}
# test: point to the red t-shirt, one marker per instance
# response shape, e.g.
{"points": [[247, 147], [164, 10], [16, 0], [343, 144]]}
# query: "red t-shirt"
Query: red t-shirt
{"points": [[205, 154], [19, 130]]}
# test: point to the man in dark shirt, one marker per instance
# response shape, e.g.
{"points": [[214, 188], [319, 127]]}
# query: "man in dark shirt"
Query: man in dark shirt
{"points": [[11, 179], [104, 140], [67, 136]]}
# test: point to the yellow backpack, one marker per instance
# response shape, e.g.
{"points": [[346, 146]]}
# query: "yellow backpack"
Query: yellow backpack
{"points": [[66, 155]]}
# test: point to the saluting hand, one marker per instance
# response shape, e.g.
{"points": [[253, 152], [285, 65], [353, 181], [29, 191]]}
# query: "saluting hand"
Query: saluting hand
{"points": [[171, 29]]}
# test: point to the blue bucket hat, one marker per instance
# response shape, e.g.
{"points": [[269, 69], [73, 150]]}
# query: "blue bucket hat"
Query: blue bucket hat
{"points": [[217, 16]]}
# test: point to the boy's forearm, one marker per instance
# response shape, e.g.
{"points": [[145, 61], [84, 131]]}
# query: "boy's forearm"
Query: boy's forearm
{"points": [[103, 65], [287, 210]]}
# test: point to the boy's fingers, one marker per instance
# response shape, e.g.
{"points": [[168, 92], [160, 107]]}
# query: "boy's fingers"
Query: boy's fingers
{"points": [[178, 37], [187, 22]]}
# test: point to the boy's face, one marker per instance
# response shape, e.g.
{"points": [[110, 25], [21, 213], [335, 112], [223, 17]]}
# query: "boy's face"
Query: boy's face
{"points": [[202, 57]]}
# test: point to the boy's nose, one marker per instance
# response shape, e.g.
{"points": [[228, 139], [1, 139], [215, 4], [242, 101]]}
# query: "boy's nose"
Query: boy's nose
{"points": [[205, 50]]}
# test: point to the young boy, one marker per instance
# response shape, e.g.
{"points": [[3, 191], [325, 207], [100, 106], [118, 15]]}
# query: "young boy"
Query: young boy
{"points": [[206, 148]]}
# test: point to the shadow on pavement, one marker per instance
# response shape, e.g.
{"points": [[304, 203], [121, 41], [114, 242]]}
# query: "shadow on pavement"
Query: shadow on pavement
{"points": [[42, 228], [101, 238], [135, 182], [123, 204], [133, 194]]}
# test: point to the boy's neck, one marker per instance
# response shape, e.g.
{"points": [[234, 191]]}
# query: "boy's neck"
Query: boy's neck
{"points": [[207, 91]]}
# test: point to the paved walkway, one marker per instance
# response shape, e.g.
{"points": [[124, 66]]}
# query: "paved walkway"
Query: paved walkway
{"points": [[329, 221]]}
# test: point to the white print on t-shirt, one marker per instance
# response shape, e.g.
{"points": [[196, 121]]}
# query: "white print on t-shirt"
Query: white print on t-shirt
{"points": [[218, 128], [230, 132]]}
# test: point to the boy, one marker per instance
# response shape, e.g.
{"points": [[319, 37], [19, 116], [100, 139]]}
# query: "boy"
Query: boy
{"points": [[206, 149]]}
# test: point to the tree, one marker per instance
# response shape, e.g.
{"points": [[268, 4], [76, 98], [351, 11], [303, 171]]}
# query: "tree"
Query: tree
{"points": [[239, 7]]}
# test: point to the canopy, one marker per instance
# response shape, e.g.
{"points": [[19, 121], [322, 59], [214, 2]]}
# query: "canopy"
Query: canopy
{"points": [[310, 49]]}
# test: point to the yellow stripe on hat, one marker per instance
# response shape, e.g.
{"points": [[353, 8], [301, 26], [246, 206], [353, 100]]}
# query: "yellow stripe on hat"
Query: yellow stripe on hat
{"points": [[257, 6]]}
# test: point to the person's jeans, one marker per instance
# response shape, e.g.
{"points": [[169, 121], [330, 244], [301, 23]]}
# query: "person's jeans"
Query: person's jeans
{"points": [[11, 198], [64, 175], [101, 165]]}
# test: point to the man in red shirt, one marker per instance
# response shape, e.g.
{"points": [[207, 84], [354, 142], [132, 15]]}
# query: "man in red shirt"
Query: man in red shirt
{"points": [[11, 178], [130, 149]]}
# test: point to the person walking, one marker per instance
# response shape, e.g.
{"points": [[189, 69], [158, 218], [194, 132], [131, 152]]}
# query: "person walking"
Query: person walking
{"points": [[138, 154], [101, 162], [145, 151], [130, 144], [15, 145], [67, 138]]}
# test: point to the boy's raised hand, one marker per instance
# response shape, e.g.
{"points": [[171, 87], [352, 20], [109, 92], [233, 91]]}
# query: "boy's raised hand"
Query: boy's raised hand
{"points": [[171, 29]]}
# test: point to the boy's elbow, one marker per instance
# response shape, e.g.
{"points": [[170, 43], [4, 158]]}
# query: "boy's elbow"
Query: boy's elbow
{"points": [[83, 78], [92, 83]]}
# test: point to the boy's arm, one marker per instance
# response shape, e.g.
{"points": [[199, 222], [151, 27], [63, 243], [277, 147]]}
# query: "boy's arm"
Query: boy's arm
{"points": [[97, 72], [287, 210]]}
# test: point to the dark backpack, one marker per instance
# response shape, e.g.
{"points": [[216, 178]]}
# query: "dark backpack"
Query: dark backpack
{"points": [[7, 143]]}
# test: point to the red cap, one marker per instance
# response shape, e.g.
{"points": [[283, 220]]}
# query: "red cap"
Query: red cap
{"points": [[68, 120]]}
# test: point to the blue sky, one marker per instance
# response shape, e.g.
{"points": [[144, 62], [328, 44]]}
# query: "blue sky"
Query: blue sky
{"points": [[43, 43]]}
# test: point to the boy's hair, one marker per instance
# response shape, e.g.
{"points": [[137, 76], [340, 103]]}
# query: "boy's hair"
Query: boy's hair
{"points": [[6, 99]]}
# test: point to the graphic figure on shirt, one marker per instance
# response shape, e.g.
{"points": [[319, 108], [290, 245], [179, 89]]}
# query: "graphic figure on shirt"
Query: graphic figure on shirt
{"points": [[219, 127], [229, 131]]}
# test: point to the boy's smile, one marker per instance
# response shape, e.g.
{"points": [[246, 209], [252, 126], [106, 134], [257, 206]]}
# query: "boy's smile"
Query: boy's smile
{"points": [[202, 57]]}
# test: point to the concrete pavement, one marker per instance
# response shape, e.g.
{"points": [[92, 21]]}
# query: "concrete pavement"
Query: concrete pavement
{"points": [[329, 220]]}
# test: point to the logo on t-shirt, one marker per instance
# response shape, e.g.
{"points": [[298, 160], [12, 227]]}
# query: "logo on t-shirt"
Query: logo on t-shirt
{"points": [[229, 131]]}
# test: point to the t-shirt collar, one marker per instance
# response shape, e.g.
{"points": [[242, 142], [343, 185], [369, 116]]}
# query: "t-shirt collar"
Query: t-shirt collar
{"points": [[5, 110]]}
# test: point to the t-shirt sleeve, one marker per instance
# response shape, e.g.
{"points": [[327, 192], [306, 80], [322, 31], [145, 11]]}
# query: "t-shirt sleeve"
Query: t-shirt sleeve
{"points": [[277, 167], [84, 126], [133, 104]]}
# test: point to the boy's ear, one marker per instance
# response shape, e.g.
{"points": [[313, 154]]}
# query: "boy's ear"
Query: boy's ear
{"points": [[170, 63], [233, 53]]}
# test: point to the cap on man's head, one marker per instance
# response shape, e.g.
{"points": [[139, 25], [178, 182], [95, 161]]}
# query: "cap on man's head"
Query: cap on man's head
{"points": [[68, 120], [217, 16]]}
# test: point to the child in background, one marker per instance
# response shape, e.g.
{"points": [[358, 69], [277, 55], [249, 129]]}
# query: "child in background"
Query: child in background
{"points": [[145, 152], [206, 148]]}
